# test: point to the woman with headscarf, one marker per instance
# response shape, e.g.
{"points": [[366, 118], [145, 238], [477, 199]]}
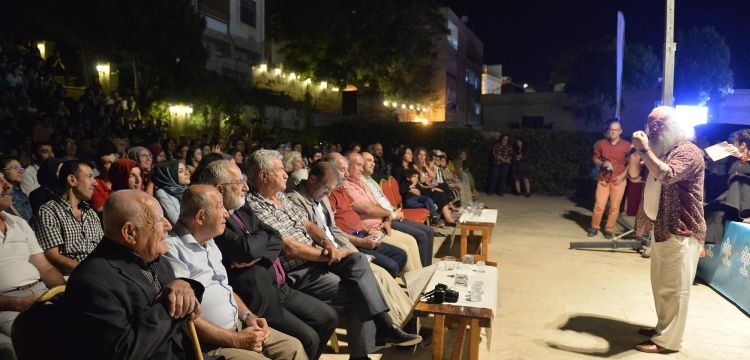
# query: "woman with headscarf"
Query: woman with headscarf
{"points": [[125, 174], [48, 188], [170, 179]]}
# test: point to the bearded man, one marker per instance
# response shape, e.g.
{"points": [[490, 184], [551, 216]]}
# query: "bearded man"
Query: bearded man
{"points": [[672, 208]]}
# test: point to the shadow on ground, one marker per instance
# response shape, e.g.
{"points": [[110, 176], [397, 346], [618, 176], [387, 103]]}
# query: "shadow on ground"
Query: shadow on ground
{"points": [[620, 335], [583, 220]]}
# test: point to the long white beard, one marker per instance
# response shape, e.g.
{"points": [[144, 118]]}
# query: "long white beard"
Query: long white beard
{"points": [[668, 140]]}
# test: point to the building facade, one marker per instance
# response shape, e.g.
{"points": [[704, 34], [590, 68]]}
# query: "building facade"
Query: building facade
{"points": [[457, 75], [234, 36]]}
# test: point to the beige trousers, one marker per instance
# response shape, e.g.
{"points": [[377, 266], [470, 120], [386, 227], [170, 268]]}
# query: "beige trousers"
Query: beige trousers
{"points": [[407, 243], [398, 301], [279, 346], [673, 266]]}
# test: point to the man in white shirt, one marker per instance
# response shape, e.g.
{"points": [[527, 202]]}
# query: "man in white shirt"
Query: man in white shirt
{"points": [[226, 326], [25, 273], [43, 151]]}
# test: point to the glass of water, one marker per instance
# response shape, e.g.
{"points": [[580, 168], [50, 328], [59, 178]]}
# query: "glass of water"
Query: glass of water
{"points": [[448, 263], [479, 208]]}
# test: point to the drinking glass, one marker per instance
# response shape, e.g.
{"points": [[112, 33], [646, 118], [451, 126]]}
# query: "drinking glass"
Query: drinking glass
{"points": [[449, 263], [480, 266]]}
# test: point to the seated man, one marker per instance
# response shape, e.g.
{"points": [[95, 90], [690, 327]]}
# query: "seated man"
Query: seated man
{"points": [[122, 302], [422, 233], [250, 252], [24, 271], [67, 227], [371, 215], [312, 196], [325, 177], [315, 265], [226, 327]]}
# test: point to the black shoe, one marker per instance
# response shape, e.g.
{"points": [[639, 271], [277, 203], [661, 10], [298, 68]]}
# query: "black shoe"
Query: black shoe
{"points": [[398, 337], [527, 194], [608, 235], [591, 232]]}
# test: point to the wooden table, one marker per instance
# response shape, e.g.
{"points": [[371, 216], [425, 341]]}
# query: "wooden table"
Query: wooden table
{"points": [[476, 318], [484, 223]]}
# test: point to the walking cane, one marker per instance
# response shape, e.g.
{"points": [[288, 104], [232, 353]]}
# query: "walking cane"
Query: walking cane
{"points": [[194, 340]]}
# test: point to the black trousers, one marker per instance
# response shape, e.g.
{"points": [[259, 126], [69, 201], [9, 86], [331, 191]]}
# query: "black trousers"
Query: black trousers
{"points": [[387, 256], [306, 318]]}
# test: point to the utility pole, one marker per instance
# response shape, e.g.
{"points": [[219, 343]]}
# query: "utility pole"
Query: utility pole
{"points": [[667, 92]]}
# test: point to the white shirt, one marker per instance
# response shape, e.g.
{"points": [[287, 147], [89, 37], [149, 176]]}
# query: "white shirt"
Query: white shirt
{"points": [[203, 264], [377, 193], [322, 220], [17, 245], [29, 181]]}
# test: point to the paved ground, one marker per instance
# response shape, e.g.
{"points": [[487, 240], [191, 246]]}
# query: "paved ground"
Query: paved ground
{"points": [[557, 303]]}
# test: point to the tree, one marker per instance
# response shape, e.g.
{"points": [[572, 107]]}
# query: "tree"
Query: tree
{"points": [[161, 40], [384, 45], [589, 74], [702, 66]]}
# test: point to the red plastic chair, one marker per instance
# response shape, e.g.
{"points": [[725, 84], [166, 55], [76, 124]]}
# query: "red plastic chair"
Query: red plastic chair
{"points": [[418, 215]]}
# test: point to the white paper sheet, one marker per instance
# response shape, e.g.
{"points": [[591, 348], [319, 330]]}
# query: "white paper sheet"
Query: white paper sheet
{"points": [[720, 150]]}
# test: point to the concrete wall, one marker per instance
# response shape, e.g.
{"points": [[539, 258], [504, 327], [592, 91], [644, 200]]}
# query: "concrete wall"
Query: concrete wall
{"points": [[560, 111]]}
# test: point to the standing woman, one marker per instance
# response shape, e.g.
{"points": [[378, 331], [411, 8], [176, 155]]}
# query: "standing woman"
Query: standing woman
{"points": [[170, 179], [520, 168]]}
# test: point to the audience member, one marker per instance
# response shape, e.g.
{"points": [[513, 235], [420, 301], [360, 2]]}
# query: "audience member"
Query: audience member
{"points": [[25, 273], [105, 157], [48, 185], [170, 179], [318, 266], [520, 168], [312, 196], [422, 233], [226, 326], [67, 227], [42, 151], [12, 171], [122, 302], [250, 251], [501, 157], [295, 169], [125, 174]]}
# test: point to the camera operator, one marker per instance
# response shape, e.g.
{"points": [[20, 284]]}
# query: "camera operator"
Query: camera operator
{"points": [[610, 156]]}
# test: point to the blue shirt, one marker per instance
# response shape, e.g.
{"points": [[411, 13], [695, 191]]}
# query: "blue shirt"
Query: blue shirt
{"points": [[21, 204], [203, 264]]}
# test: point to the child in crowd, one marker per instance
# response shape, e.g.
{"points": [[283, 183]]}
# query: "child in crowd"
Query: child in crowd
{"points": [[413, 197]]}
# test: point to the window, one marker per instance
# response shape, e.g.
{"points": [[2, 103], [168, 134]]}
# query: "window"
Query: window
{"points": [[471, 78], [453, 35], [248, 12]]}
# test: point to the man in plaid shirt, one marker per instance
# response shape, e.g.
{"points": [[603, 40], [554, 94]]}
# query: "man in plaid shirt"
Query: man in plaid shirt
{"points": [[321, 267], [68, 228]]}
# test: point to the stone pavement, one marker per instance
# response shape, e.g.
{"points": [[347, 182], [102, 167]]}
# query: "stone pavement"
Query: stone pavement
{"points": [[557, 303]]}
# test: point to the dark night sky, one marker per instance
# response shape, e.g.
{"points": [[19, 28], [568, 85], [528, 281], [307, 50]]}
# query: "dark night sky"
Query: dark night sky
{"points": [[525, 35]]}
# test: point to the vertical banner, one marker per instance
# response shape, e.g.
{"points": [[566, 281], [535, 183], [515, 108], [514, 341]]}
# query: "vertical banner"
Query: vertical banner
{"points": [[620, 53]]}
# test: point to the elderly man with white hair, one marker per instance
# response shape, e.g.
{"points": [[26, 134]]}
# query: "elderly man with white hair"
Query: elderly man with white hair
{"points": [[319, 266], [673, 206]]}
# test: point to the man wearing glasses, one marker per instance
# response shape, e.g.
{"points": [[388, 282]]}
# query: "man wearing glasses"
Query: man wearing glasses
{"points": [[610, 156], [12, 171]]}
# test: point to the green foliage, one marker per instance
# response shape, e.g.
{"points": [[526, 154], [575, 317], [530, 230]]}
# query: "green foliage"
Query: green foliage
{"points": [[702, 65], [560, 162], [162, 38], [589, 74], [384, 45]]}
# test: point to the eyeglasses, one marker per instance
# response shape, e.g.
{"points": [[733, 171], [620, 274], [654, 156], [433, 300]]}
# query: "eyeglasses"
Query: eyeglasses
{"points": [[17, 168]]}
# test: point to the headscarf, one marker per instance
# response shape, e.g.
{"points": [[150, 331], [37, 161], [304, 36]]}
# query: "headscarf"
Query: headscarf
{"points": [[155, 151], [119, 173], [165, 176]]}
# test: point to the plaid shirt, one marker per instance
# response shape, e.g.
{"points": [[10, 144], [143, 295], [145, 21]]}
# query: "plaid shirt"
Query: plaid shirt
{"points": [[55, 226], [502, 154], [288, 220]]}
